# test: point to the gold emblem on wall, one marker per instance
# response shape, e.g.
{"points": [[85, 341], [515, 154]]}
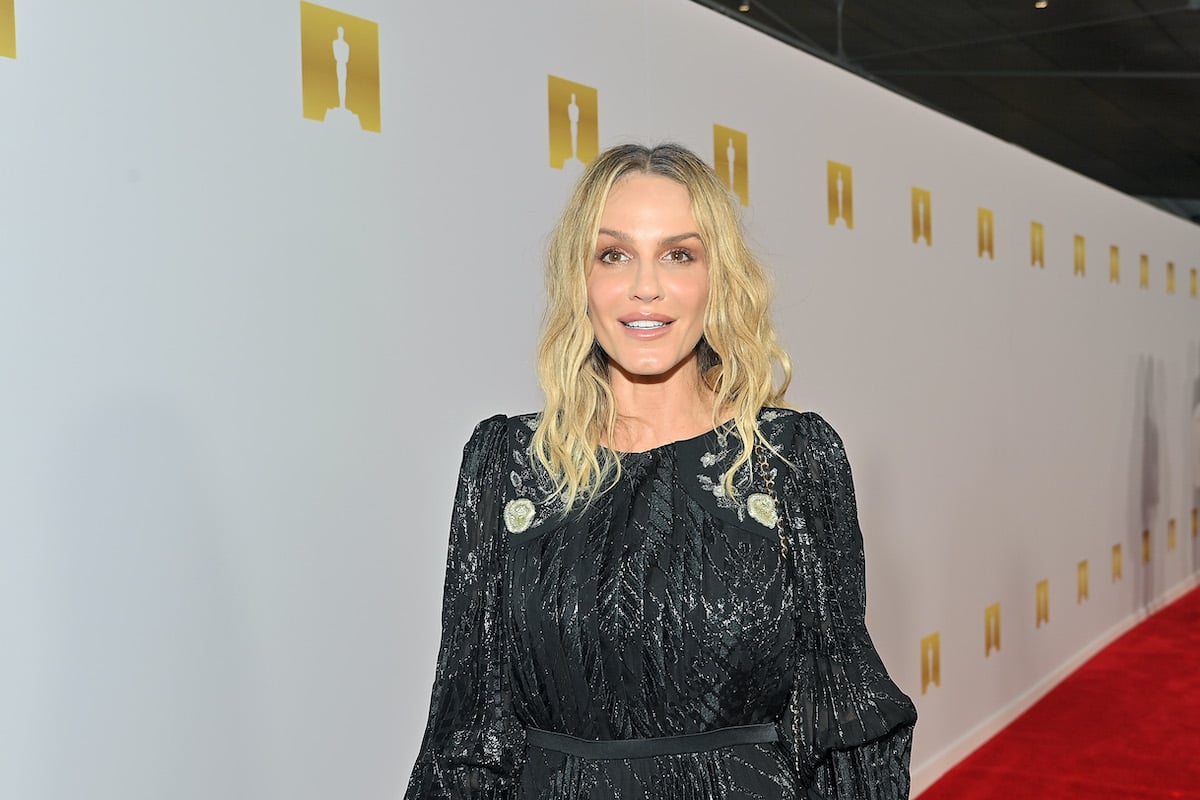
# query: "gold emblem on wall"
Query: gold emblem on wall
{"points": [[1043, 603], [1116, 563], [731, 161], [1144, 271], [1195, 522], [1037, 245], [1171, 534], [922, 216], [8, 29], [987, 233], [840, 179], [1170, 277], [991, 629], [574, 115], [1114, 264], [1195, 283], [340, 68], [1146, 547], [1080, 256], [931, 661], [1081, 592]]}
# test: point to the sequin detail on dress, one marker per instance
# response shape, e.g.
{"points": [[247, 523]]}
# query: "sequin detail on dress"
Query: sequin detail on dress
{"points": [[659, 612]]}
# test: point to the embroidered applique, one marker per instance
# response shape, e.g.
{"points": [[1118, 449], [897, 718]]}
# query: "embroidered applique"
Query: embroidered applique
{"points": [[519, 514], [761, 508], [716, 487], [530, 481]]}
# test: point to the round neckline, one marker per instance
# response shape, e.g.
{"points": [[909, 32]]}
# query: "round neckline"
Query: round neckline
{"points": [[729, 423]]}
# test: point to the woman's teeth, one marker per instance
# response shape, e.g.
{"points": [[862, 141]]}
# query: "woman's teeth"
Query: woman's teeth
{"points": [[645, 324]]}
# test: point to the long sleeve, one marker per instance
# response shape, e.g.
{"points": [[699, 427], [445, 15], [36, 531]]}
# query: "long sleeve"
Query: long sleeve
{"points": [[849, 726], [473, 746]]}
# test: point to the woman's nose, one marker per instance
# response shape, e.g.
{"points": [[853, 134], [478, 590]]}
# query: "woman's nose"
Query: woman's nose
{"points": [[646, 284]]}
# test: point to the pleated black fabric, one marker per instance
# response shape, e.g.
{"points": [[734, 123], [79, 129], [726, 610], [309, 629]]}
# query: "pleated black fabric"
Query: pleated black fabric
{"points": [[666, 609]]}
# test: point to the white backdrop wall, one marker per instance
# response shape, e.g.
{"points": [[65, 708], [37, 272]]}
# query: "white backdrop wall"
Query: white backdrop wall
{"points": [[242, 349]]}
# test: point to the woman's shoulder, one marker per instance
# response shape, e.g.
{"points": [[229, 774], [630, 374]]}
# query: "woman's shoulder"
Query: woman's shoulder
{"points": [[504, 442], [520, 429], [521, 424], [486, 432], [792, 430]]}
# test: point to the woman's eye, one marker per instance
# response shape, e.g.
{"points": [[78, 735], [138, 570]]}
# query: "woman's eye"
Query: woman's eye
{"points": [[613, 257], [680, 255]]}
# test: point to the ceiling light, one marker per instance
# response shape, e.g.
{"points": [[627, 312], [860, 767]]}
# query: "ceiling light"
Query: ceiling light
{"points": [[1041, 4], [745, 6]]}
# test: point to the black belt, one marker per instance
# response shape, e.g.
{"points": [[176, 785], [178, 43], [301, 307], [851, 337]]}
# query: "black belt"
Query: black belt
{"points": [[656, 746]]}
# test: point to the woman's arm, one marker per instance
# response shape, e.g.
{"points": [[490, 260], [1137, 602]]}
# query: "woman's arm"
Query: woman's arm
{"points": [[473, 746], [849, 726]]}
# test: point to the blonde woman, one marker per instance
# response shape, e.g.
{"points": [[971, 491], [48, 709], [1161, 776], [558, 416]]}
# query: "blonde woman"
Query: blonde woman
{"points": [[655, 586]]}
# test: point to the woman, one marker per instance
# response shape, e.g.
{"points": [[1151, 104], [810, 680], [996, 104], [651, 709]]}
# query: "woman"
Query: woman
{"points": [[655, 587]]}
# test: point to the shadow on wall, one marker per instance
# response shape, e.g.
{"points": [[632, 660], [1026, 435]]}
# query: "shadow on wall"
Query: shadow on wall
{"points": [[1147, 475], [1194, 460]]}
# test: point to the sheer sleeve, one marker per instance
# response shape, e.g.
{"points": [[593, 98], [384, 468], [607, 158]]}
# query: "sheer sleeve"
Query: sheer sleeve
{"points": [[473, 746], [849, 727]]}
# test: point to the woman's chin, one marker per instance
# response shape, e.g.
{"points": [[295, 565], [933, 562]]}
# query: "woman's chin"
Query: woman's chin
{"points": [[653, 371]]}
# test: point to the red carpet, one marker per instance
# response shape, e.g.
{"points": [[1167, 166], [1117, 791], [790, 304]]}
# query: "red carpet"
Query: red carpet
{"points": [[1125, 725]]}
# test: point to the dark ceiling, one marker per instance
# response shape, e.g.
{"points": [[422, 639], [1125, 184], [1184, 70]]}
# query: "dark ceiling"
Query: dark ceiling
{"points": [[1108, 88]]}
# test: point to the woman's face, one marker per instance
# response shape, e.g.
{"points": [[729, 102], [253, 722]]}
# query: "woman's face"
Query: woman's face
{"points": [[648, 284]]}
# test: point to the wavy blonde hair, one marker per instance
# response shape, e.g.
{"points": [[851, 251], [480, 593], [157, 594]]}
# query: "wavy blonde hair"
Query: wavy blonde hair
{"points": [[737, 354]]}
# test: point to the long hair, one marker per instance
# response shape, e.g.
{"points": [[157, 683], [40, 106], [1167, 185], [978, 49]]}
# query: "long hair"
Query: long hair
{"points": [[737, 353]]}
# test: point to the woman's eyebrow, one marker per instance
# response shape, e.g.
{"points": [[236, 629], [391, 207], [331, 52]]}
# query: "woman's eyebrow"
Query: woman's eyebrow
{"points": [[679, 237], [625, 237]]}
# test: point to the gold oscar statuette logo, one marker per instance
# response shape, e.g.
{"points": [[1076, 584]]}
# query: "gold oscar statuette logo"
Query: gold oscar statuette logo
{"points": [[841, 193], [1080, 256], [987, 233], [731, 160], [574, 111], [8, 29], [1170, 277], [1114, 264], [931, 661], [1171, 534], [1144, 271], [1146, 547], [1116, 576], [922, 216], [991, 629], [1037, 245], [1043, 603], [1081, 592], [340, 68], [1195, 522], [1195, 283]]}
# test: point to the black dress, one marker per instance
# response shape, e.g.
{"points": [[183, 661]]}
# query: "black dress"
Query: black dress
{"points": [[669, 642]]}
